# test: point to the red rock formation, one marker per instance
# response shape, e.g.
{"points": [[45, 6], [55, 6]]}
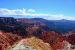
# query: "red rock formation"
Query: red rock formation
{"points": [[7, 39], [70, 37], [52, 38]]}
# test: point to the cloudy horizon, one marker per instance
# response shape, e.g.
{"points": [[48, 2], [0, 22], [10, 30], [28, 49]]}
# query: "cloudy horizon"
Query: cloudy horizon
{"points": [[32, 13]]}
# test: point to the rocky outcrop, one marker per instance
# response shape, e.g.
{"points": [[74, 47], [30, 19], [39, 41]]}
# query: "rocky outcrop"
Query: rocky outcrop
{"points": [[52, 38], [31, 43], [70, 37], [7, 39]]}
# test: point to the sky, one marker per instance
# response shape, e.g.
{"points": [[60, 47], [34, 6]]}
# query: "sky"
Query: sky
{"points": [[48, 9]]}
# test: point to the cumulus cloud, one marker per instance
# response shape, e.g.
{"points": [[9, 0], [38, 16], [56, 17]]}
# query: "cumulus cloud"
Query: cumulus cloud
{"points": [[13, 12], [32, 12]]}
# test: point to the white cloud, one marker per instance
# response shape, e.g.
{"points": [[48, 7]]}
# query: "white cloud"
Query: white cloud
{"points": [[32, 12], [23, 11]]}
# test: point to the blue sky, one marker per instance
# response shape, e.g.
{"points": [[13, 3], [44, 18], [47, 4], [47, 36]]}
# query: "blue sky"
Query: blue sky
{"points": [[51, 7]]}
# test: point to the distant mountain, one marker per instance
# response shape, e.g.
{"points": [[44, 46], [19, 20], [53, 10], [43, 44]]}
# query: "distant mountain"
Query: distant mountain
{"points": [[60, 26]]}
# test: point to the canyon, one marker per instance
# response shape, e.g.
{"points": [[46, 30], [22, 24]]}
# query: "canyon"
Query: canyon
{"points": [[36, 33]]}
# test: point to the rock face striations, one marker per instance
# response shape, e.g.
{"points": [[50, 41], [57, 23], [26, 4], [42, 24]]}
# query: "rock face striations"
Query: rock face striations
{"points": [[7, 39], [31, 43]]}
